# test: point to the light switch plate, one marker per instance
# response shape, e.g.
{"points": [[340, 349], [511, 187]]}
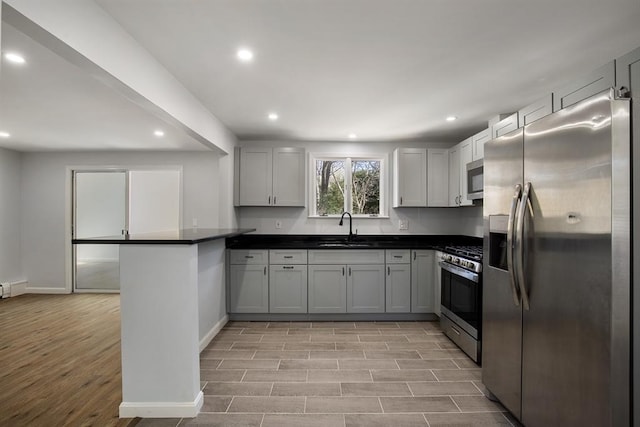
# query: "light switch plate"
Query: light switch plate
{"points": [[403, 224], [278, 224]]}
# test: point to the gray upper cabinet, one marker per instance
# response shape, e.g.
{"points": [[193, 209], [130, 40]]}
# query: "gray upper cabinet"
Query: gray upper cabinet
{"points": [[586, 86], [270, 176], [255, 179], [628, 72], [437, 177], [454, 175], [409, 177], [477, 142], [537, 110], [288, 177], [505, 125]]}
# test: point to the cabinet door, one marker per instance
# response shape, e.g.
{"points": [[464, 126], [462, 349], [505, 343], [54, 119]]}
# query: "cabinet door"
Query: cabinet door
{"points": [[422, 283], [454, 175], [437, 282], [327, 289], [398, 288], [255, 176], [478, 141], [505, 125], [249, 289], [288, 177], [466, 156], [410, 177], [288, 289], [437, 177], [365, 289], [582, 88], [536, 111]]}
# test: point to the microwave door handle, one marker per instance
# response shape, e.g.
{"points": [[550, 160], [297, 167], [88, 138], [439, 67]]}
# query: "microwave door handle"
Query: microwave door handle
{"points": [[510, 247], [522, 212]]}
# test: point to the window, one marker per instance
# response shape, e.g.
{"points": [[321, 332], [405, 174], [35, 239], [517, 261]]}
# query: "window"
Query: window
{"points": [[347, 184]]}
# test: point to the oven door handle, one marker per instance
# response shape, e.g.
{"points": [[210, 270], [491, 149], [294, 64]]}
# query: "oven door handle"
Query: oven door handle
{"points": [[510, 244], [454, 269]]}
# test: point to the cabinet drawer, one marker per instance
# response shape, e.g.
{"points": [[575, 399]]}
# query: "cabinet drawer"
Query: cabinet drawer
{"points": [[398, 256], [248, 256], [346, 256], [287, 256]]}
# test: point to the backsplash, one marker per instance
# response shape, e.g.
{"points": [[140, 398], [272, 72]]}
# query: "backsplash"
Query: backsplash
{"points": [[458, 221]]}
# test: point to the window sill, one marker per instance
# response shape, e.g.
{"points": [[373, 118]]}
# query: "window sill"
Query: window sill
{"points": [[334, 217]]}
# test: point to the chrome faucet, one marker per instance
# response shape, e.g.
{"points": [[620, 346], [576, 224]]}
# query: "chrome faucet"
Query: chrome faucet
{"points": [[350, 225]]}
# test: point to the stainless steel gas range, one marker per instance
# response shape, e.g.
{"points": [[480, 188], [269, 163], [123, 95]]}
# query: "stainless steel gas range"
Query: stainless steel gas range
{"points": [[461, 297]]}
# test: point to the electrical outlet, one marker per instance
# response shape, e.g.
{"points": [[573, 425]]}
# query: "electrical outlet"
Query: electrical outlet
{"points": [[403, 224], [278, 224], [194, 222]]}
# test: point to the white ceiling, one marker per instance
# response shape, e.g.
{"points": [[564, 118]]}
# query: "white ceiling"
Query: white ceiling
{"points": [[383, 69], [49, 104]]}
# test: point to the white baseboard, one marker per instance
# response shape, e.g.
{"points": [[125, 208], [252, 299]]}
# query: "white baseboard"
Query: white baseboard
{"points": [[18, 288], [204, 342], [162, 409], [45, 290]]}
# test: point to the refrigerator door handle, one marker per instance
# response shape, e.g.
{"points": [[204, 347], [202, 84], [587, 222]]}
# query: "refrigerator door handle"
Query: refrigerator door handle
{"points": [[522, 212], [510, 247]]}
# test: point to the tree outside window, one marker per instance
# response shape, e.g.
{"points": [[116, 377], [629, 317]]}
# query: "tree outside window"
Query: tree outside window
{"points": [[347, 185]]}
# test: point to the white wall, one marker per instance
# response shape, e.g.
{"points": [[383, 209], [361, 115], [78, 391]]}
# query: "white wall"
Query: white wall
{"points": [[463, 221], [154, 201], [44, 201], [10, 216]]}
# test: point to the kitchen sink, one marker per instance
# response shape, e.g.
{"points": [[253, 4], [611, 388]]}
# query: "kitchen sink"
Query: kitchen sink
{"points": [[345, 245]]}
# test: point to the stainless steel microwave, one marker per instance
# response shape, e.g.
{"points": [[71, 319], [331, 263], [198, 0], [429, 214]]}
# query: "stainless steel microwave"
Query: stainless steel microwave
{"points": [[475, 180]]}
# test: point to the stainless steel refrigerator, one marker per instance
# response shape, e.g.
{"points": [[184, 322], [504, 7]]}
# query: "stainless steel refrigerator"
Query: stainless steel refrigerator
{"points": [[556, 298]]}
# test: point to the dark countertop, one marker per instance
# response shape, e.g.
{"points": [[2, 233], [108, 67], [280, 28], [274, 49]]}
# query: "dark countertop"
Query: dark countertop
{"points": [[367, 241], [185, 236]]}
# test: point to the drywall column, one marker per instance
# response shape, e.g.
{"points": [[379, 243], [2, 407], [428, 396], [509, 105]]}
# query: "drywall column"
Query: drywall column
{"points": [[160, 332]]}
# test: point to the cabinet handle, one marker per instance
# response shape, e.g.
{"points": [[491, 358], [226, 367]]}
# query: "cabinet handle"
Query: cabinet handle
{"points": [[401, 200], [288, 256], [287, 267], [349, 271], [248, 256], [343, 271], [388, 271], [274, 200], [414, 256], [397, 256], [265, 270]]}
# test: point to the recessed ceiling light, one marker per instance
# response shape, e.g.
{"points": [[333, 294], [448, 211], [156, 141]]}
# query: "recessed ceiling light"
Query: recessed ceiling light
{"points": [[244, 55], [158, 133], [5, 134], [353, 136], [14, 57], [451, 118], [273, 116]]}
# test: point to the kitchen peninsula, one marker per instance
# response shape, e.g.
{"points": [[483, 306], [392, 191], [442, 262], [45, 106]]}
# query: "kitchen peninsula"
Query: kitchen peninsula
{"points": [[172, 295]]}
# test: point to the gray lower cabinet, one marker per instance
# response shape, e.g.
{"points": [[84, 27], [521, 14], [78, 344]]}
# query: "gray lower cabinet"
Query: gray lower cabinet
{"points": [[327, 289], [249, 288], [398, 288], [422, 281], [365, 288], [288, 289]]}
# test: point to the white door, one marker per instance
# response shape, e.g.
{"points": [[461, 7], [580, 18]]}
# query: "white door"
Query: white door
{"points": [[100, 200]]}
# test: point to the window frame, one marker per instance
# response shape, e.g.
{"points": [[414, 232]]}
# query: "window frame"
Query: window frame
{"points": [[383, 158]]}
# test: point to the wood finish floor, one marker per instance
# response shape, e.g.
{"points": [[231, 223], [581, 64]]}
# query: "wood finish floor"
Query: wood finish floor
{"points": [[342, 374], [60, 361]]}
